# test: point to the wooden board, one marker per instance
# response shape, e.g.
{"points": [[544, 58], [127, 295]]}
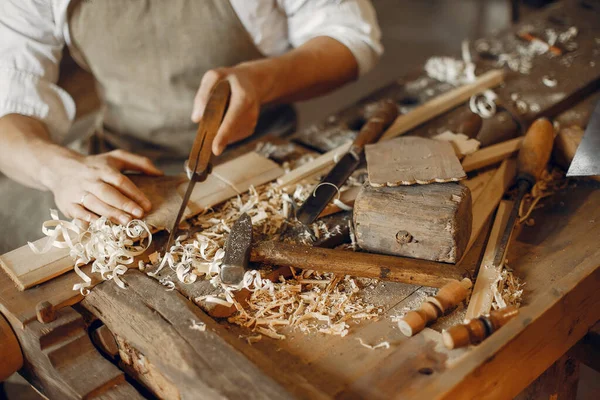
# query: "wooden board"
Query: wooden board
{"points": [[443, 103], [491, 155], [165, 193], [491, 196], [430, 222], [477, 183], [412, 160], [482, 295], [27, 269]]}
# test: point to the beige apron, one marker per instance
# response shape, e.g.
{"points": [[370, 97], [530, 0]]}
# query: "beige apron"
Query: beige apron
{"points": [[148, 57]]}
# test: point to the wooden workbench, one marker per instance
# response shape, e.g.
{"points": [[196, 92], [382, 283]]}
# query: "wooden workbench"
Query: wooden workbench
{"points": [[558, 258]]}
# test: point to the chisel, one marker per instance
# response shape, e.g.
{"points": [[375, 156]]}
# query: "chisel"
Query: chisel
{"points": [[329, 186], [531, 162]]}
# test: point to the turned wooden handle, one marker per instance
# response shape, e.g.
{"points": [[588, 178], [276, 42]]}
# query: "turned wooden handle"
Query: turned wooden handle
{"points": [[536, 149], [377, 123], [366, 265], [11, 358]]}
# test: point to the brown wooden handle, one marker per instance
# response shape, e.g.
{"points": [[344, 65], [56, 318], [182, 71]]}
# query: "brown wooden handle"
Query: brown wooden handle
{"points": [[366, 265], [377, 123], [536, 149], [11, 358]]}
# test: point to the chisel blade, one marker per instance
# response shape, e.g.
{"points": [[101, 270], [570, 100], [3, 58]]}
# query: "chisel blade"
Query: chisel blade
{"points": [[587, 157], [328, 188]]}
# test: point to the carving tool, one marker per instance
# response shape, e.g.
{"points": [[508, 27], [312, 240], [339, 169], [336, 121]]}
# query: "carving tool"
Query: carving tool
{"points": [[198, 165], [329, 186], [532, 159], [477, 329], [587, 157], [237, 251]]}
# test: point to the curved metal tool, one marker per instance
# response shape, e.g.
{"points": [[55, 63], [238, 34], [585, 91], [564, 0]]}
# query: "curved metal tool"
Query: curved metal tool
{"points": [[198, 165]]}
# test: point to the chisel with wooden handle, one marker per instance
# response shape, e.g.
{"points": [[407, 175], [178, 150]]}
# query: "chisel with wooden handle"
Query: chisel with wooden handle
{"points": [[382, 118], [532, 160]]}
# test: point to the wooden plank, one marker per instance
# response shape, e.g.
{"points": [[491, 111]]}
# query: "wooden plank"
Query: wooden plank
{"points": [[12, 358], [559, 382], [27, 269], [157, 324], [491, 196], [491, 155], [320, 165], [482, 296], [443, 103], [430, 222], [412, 160]]}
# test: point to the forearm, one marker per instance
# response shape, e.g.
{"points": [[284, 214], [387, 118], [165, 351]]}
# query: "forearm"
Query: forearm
{"points": [[26, 149], [318, 66]]}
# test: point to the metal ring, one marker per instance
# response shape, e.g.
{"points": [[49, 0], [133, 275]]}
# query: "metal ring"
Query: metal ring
{"points": [[83, 198]]}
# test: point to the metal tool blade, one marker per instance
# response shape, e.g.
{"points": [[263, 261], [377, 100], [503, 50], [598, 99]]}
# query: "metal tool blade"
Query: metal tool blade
{"points": [[237, 251], [328, 188], [198, 164], [587, 157]]}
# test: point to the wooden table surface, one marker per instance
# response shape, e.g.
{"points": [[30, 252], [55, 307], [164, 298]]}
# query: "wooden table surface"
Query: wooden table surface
{"points": [[558, 258]]}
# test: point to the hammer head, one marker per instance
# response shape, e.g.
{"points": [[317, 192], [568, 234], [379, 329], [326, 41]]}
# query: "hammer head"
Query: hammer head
{"points": [[237, 251]]}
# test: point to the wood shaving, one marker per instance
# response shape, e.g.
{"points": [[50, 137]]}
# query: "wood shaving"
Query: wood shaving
{"points": [[197, 326], [382, 345], [108, 246], [507, 290]]}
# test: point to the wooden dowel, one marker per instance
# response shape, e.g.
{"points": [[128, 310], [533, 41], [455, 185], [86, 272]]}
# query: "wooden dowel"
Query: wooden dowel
{"points": [[491, 155], [367, 265]]}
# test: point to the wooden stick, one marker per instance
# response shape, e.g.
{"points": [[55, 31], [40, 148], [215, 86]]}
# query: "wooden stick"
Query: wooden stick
{"points": [[367, 265], [443, 103], [482, 297], [491, 154], [320, 165], [477, 329], [491, 196]]}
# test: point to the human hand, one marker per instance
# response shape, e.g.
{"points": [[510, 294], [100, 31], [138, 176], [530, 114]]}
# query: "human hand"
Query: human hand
{"points": [[88, 187], [244, 105]]}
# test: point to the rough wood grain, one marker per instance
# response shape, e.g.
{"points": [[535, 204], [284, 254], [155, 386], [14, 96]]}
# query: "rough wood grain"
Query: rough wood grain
{"points": [[27, 269], [443, 103], [559, 382], [482, 296], [491, 196], [431, 222], [412, 160], [491, 155], [387, 268], [157, 324]]}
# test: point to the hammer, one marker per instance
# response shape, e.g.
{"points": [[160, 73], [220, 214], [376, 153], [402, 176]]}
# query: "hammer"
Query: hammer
{"points": [[240, 251]]}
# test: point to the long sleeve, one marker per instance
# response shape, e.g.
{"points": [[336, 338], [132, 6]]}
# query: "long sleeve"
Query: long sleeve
{"points": [[31, 43], [351, 22]]}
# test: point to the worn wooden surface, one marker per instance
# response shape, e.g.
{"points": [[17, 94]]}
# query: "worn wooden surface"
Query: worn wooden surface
{"points": [[431, 222], [412, 160], [12, 358]]}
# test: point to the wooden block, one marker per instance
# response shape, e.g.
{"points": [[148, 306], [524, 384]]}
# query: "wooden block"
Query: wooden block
{"points": [[482, 297], [443, 103], [491, 196], [410, 160], [431, 222], [27, 269], [461, 143], [250, 169], [491, 155]]}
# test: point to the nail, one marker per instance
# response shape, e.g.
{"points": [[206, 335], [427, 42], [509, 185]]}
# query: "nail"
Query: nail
{"points": [[124, 220], [138, 212]]}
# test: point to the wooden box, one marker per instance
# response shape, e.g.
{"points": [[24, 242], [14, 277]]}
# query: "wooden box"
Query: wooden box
{"points": [[431, 222]]}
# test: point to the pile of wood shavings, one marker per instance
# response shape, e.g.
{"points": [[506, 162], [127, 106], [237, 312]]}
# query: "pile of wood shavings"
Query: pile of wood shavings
{"points": [[108, 246], [309, 302], [507, 290]]}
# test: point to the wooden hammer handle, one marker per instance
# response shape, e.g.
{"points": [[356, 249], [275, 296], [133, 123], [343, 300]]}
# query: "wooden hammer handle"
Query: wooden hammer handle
{"points": [[536, 149], [377, 123], [366, 265]]}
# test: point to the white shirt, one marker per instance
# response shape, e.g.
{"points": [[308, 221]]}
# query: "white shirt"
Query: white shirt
{"points": [[34, 32]]}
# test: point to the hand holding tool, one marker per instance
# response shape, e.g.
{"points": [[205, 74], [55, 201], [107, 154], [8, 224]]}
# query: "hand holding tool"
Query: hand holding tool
{"points": [[329, 186], [198, 165], [532, 159]]}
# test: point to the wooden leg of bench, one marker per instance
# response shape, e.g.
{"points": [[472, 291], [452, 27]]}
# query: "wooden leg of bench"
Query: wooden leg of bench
{"points": [[559, 382]]}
